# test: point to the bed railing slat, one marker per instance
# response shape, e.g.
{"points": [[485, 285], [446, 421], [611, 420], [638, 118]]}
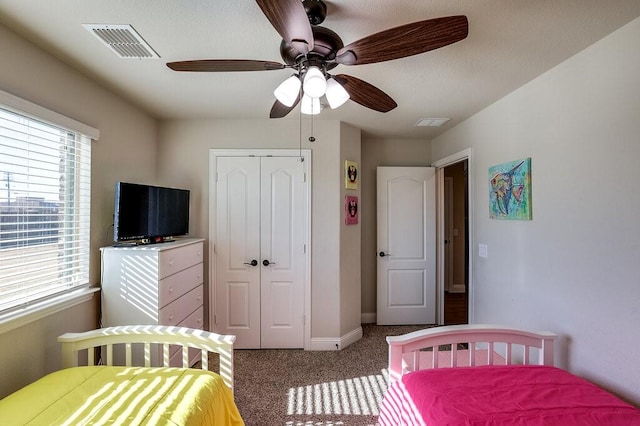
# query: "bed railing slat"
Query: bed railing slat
{"points": [[185, 357], [472, 354], [527, 350], [109, 354], [165, 355], [490, 357], [147, 355], [127, 354], [454, 355], [435, 357], [508, 354], [204, 359]]}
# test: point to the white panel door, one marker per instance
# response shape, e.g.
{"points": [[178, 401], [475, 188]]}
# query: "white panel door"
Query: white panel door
{"points": [[282, 252], [260, 251], [406, 245], [237, 246]]}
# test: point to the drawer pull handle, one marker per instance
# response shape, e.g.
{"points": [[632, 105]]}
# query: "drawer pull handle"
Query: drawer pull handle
{"points": [[170, 289]]}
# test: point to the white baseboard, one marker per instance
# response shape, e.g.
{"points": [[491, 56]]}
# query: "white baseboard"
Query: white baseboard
{"points": [[335, 344], [368, 318]]}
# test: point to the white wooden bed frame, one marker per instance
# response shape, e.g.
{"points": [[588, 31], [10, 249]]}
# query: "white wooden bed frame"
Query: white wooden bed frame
{"points": [[512, 346], [79, 346]]}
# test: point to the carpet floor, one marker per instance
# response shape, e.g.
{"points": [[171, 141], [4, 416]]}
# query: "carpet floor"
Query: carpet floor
{"points": [[315, 388]]}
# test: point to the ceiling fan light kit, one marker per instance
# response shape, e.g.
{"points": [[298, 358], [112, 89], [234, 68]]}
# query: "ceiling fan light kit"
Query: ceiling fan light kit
{"points": [[314, 84], [336, 94], [312, 51], [287, 92], [310, 106]]}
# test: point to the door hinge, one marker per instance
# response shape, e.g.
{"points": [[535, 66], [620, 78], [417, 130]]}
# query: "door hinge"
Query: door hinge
{"points": [[304, 178], [215, 319], [304, 248]]}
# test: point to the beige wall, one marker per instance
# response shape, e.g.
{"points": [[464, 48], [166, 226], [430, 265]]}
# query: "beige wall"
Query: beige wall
{"points": [[350, 237], [126, 150], [574, 268], [380, 152], [183, 161]]}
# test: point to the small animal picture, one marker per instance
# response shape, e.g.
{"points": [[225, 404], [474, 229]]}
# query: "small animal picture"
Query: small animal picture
{"points": [[351, 172], [350, 210]]}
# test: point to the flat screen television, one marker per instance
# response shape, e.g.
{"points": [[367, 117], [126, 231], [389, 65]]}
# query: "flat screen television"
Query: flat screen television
{"points": [[149, 214]]}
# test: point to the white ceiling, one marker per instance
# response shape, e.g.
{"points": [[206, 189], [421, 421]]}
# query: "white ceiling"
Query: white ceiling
{"points": [[509, 43]]}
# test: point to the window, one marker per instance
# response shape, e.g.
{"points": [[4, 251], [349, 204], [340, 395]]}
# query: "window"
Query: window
{"points": [[45, 190]]}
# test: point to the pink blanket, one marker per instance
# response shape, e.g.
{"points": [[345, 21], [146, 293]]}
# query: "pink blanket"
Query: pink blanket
{"points": [[501, 395]]}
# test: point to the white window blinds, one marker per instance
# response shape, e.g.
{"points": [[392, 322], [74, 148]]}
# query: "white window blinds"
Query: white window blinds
{"points": [[45, 190]]}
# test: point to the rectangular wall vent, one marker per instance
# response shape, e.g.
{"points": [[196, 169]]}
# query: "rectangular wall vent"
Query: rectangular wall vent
{"points": [[124, 40], [431, 122]]}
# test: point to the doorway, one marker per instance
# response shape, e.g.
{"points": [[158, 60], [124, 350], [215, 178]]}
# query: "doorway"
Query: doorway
{"points": [[455, 235], [456, 241], [259, 233]]}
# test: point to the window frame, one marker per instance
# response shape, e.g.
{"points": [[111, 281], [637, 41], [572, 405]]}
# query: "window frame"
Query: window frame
{"points": [[14, 318]]}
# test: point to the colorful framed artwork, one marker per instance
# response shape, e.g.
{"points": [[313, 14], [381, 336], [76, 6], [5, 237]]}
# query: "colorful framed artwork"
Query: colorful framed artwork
{"points": [[351, 172], [350, 210], [510, 190]]}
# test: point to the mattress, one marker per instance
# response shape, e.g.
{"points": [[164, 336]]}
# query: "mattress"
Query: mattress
{"points": [[123, 395], [501, 395]]}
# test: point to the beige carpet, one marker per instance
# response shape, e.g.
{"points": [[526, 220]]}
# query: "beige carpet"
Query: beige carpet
{"points": [[319, 388]]}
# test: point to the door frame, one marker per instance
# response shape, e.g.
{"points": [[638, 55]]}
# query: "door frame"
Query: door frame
{"points": [[440, 284], [305, 155]]}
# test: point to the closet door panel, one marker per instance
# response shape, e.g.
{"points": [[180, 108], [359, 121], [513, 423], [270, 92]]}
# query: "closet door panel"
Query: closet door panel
{"points": [[237, 244]]}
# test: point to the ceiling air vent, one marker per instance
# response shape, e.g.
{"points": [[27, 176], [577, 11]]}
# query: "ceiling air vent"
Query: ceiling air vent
{"points": [[431, 122], [123, 40]]}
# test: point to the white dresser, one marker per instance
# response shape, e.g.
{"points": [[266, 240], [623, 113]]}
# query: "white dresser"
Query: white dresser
{"points": [[157, 284]]}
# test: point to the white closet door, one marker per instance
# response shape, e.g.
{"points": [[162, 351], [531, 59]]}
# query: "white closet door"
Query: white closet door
{"points": [[282, 219], [261, 216], [237, 245]]}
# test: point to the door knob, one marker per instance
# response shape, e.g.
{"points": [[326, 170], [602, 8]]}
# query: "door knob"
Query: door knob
{"points": [[383, 254], [252, 263], [267, 263]]}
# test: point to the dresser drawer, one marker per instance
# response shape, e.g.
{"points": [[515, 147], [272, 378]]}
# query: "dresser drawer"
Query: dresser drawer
{"points": [[174, 286], [179, 258], [179, 309], [195, 320]]}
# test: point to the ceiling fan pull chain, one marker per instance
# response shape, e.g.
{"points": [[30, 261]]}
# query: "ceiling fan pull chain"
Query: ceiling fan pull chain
{"points": [[300, 126], [312, 138]]}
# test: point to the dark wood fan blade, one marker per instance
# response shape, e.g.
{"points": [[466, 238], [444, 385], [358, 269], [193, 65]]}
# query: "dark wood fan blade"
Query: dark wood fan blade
{"points": [[279, 110], [225, 65], [405, 40], [365, 94], [290, 21]]}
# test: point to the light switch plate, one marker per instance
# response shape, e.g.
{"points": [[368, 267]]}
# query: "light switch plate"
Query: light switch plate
{"points": [[483, 250]]}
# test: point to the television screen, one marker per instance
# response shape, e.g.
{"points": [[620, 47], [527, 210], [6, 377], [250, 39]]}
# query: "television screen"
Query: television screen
{"points": [[145, 212]]}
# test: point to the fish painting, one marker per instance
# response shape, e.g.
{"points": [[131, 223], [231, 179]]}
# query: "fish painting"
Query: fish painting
{"points": [[510, 190]]}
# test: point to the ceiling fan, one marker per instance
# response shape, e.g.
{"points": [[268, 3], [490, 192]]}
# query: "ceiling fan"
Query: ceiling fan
{"points": [[312, 51]]}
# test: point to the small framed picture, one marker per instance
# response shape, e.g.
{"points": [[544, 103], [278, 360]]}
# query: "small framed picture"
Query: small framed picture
{"points": [[350, 210], [351, 172]]}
